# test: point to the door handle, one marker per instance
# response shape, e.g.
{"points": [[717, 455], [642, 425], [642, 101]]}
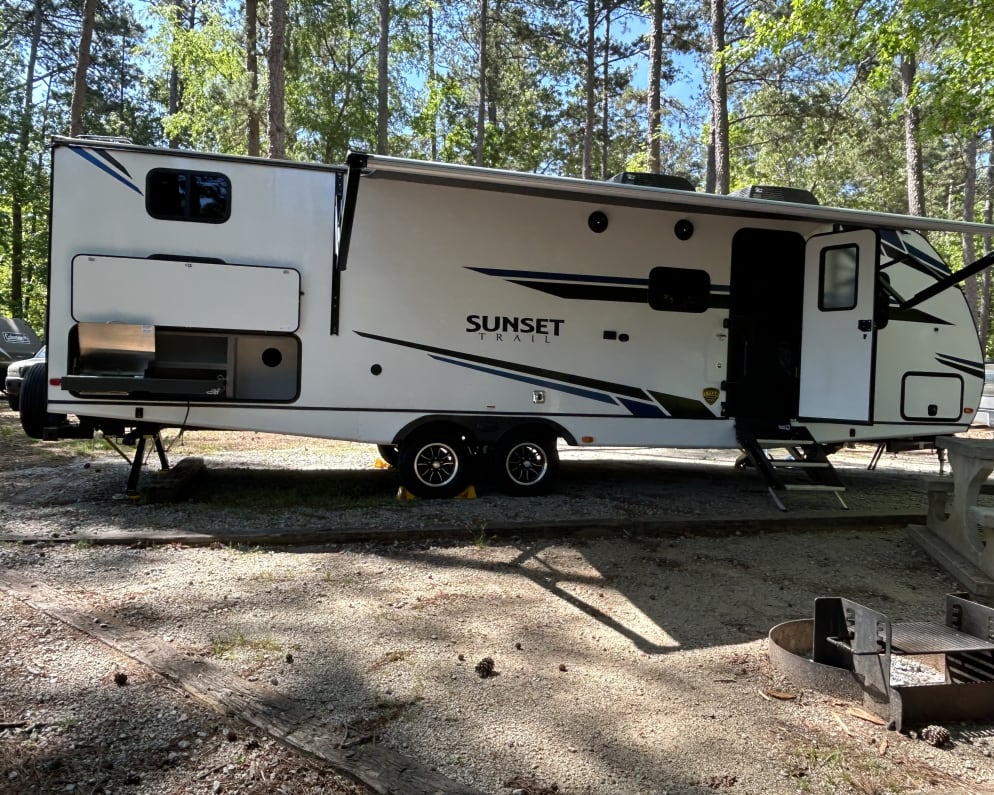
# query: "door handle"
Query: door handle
{"points": [[866, 325]]}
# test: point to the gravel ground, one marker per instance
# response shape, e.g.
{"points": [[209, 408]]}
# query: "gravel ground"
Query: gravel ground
{"points": [[626, 663]]}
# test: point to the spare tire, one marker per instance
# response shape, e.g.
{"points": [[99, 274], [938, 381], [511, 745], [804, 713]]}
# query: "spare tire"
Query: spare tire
{"points": [[34, 402]]}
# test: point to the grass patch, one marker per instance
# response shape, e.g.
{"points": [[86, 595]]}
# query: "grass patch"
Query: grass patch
{"points": [[272, 576], [481, 540], [230, 645], [390, 657], [339, 580], [839, 769]]}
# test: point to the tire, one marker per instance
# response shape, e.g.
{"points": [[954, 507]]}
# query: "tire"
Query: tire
{"points": [[34, 403], [435, 464], [389, 453], [525, 462]]}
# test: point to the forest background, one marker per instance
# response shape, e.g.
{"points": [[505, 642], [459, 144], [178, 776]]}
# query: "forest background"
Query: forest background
{"points": [[875, 104]]}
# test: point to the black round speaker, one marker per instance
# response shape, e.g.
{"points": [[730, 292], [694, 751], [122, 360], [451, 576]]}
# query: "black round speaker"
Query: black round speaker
{"points": [[597, 221]]}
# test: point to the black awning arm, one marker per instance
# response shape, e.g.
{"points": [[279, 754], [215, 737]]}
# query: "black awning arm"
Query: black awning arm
{"points": [[952, 279], [356, 162]]}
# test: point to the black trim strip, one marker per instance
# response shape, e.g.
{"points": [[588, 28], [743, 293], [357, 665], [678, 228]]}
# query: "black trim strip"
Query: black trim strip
{"points": [[915, 316], [588, 292], [112, 160], [568, 378], [960, 367], [613, 293]]}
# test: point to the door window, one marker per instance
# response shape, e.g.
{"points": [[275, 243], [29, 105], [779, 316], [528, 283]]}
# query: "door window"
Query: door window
{"points": [[838, 276]]}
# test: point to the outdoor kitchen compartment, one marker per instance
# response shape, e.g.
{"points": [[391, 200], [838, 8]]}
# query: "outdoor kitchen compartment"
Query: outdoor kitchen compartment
{"points": [[127, 359]]}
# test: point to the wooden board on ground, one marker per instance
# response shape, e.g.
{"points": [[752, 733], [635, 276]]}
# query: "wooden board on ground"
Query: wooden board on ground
{"points": [[380, 768]]}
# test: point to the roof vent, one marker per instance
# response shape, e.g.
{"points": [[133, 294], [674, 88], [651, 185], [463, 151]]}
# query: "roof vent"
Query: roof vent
{"points": [[649, 180], [777, 194], [104, 139]]}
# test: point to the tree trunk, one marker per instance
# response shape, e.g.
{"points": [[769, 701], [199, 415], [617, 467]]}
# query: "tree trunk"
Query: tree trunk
{"points": [[985, 291], [82, 68], [655, 87], [175, 88], [589, 91], [481, 107], [912, 139], [252, 67], [605, 86], [709, 181], [19, 182], [432, 87], [277, 79], [969, 210], [719, 98], [382, 79]]}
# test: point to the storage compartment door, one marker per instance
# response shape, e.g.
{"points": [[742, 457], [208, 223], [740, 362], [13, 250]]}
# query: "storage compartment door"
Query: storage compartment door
{"points": [[183, 294], [838, 343], [931, 397]]}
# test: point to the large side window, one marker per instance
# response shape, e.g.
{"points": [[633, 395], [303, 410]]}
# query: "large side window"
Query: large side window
{"points": [[679, 289], [838, 272], [178, 195]]}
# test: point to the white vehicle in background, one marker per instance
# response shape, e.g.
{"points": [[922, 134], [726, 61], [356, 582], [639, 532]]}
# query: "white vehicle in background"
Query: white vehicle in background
{"points": [[468, 316], [985, 416]]}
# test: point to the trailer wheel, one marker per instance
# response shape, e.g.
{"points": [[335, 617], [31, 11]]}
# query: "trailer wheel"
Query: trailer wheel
{"points": [[389, 453], [434, 464], [34, 403], [525, 462]]}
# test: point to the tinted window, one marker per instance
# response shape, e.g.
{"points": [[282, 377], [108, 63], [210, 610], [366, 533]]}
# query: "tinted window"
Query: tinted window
{"points": [[839, 267], [679, 289], [173, 195]]}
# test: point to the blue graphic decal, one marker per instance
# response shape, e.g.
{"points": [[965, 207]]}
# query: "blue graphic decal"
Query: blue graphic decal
{"points": [[642, 409], [87, 155], [572, 390]]}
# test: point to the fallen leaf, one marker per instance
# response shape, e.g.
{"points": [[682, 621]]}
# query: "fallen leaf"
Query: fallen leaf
{"points": [[869, 717], [842, 724], [883, 747], [781, 695]]}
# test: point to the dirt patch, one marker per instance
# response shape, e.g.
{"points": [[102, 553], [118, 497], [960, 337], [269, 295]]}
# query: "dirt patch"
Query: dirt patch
{"points": [[625, 664]]}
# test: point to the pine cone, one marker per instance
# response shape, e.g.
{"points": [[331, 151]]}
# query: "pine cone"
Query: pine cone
{"points": [[935, 735], [485, 667]]}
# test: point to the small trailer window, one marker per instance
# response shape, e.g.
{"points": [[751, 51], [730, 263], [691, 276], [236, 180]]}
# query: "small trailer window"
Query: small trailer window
{"points": [[839, 268], [679, 289], [173, 195]]}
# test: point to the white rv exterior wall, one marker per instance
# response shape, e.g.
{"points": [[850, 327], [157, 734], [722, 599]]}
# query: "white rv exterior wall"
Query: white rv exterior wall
{"points": [[407, 346]]}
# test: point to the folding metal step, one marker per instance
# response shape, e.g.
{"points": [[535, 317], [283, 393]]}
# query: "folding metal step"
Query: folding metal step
{"points": [[803, 457]]}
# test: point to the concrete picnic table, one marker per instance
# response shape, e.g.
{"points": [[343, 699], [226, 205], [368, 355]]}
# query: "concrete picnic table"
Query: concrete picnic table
{"points": [[962, 524]]}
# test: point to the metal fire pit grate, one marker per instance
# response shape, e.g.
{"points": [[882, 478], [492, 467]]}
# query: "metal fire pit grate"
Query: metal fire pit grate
{"points": [[920, 637], [847, 651]]}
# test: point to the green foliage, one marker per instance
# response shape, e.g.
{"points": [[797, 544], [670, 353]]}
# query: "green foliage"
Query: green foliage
{"points": [[814, 99], [209, 63]]}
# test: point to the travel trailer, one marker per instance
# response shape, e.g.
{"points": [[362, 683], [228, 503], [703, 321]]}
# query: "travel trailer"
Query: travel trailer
{"points": [[466, 319]]}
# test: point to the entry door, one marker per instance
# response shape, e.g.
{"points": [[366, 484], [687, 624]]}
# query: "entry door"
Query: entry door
{"points": [[838, 334]]}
